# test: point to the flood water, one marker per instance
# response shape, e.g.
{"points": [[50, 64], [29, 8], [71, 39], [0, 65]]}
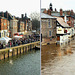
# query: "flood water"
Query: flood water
{"points": [[58, 59], [24, 64]]}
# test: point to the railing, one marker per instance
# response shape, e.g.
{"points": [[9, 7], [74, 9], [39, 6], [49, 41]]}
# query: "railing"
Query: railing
{"points": [[12, 51]]}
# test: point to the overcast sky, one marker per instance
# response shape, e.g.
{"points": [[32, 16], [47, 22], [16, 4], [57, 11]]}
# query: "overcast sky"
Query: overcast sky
{"points": [[64, 4], [18, 7]]}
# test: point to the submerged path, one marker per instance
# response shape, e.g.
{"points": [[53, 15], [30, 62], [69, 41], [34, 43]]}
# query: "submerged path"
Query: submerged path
{"points": [[58, 60]]}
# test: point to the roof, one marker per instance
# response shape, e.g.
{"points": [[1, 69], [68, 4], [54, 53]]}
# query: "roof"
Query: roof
{"points": [[62, 22], [3, 17], [43, 15], [42, 10], [58, 14], [9, 16]]}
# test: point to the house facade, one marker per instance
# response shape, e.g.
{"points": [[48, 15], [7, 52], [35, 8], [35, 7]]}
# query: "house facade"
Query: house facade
{"points": [[27, 22], [12, 22], [63, 30], [48, 27], [21, 26], [4, 27], [13, 26]]}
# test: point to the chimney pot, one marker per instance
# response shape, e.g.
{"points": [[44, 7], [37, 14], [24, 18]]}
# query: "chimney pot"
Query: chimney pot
{"points": [[49, 12], [7, 14], [22, 15], [2, 14], [61, 12], [55, 9]]}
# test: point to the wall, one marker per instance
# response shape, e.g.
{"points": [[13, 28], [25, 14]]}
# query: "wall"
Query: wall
{"points": [[60, 30], [45, 27]]}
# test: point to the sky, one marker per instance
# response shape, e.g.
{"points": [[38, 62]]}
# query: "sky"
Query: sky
{"points": [[64, 4], [18, 7]]}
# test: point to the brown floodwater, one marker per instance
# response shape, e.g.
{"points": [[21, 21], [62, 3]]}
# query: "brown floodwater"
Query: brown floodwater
{"points": [[58, 59]]}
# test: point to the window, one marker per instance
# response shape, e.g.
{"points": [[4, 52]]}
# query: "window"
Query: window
{"points": [[49, 23], [49, 33], [4, 23]]}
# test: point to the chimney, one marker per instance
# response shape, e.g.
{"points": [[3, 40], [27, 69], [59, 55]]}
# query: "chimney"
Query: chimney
{"points": [[6, 14], [45, 11], [25, 15], [22, 15], [68, 12], [61, 12], [55, 9], [72, 12], [2, 14], [49, 12]]}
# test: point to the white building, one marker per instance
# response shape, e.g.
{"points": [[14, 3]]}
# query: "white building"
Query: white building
{"points": [[63, 30]]}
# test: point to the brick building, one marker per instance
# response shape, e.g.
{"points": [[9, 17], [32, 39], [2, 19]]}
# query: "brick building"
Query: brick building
{"points": [[27, 22], [13, 26], [48, 27], [4, 27], [12, 22], [21, 26]]}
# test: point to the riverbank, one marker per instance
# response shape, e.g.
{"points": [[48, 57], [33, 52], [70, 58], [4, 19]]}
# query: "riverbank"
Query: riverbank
{"points": [[24, 64], [12, 51]]}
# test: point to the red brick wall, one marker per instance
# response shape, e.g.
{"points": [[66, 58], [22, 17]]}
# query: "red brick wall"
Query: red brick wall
{"points": [[4, 24]]}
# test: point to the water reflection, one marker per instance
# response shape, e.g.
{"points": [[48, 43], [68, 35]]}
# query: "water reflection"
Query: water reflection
{"points": [[11, 62], [56, 58], [24, 64]]}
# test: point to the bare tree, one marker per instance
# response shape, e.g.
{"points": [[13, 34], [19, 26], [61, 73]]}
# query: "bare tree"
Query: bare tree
{"points": [[35, 17]]}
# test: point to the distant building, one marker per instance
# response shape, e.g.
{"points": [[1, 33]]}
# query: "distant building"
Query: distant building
{"points": [[48, 27], [27, 22], [12, 22]]}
